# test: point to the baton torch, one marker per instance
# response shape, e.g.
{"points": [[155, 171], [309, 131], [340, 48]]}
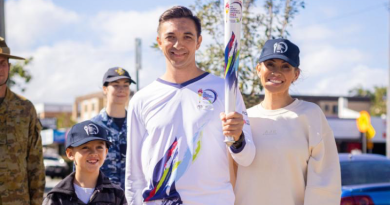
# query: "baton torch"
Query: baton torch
{"points": [[233, 20]]}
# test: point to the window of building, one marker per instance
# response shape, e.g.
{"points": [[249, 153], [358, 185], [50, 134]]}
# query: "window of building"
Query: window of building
{"points": [[326, 107], [85, 108], [93, 107], [335, 109], [78, 111]]}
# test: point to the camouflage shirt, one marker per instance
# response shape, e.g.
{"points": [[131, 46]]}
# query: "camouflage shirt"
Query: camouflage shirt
{"points": [[22, 173], [115, 165]]}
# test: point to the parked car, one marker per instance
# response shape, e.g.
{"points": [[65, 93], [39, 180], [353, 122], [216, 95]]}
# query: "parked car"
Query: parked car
{"points": [[365, 179], [55, 166]]}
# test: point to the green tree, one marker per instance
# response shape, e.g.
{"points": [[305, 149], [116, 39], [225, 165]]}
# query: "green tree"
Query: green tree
{"points": [[64, 121], [377, 98], [378, 101], [258, 25], [360, 91], [18, 71]]}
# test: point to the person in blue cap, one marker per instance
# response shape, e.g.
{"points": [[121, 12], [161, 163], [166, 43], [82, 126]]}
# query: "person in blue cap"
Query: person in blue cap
{"points": [[87, 145], [116, 87], [296, 159]]}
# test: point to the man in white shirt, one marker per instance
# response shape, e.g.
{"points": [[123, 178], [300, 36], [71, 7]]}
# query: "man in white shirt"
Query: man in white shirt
{"points": [[176, 152]]}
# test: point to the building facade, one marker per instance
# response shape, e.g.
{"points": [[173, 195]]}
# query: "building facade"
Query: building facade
{"points": [[88, 106], [54, 116]]}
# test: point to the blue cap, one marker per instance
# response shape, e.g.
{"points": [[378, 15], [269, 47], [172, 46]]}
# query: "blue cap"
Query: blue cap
{"points": [[116, 73], [280, 49], [84, 132]]}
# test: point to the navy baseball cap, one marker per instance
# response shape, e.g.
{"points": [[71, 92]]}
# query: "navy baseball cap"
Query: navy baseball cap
{"points": [[84, 132], [116, 73], [280, 49]]}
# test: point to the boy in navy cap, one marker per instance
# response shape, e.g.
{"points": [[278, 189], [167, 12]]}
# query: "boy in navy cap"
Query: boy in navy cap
{"points": [[87, 145]]}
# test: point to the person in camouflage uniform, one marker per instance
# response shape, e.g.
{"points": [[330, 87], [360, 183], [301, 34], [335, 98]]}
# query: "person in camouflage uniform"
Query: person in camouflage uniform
{"points": [[22, 173], [116, 87]]}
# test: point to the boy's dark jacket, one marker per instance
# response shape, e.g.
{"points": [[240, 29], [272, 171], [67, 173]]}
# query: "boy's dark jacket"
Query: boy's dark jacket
{"points": [[105, 193]]}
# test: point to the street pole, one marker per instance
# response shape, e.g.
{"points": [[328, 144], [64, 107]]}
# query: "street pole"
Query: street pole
{"points": [[138, 59], [2, 19], [388, 96], [364, 142]]}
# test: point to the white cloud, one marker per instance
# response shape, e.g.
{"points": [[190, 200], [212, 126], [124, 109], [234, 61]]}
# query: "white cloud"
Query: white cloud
{"points": [[69, 69], [30, 21], [333, 63], [119, 29], [319, 60], [65, 69], [312, 33], [339, 83]]}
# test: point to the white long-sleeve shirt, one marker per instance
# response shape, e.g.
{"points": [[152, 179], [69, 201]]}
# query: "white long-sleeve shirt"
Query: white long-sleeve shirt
{"points": [[296, 160], [176, 152]]}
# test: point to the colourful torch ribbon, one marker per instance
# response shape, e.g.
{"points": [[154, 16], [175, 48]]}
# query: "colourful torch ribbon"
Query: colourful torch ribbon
{"points": [[233, 20]]}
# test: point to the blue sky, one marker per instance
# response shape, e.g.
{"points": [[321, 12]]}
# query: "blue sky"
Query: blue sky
{"points": [[344, 43]]}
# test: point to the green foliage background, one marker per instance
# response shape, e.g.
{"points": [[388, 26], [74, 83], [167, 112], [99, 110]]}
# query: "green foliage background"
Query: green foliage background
{"points": [[261, 21], [18, 70]]}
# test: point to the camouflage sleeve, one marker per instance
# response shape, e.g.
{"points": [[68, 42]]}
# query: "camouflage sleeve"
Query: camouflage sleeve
{"points": [[35, 167]]}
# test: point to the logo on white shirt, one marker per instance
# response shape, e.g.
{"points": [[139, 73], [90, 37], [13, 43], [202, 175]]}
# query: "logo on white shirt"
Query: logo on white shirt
{"points": [[207, 98]]}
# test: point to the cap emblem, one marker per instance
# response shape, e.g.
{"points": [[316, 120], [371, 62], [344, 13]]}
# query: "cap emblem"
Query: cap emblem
{"points": [[280, 47], [120, 71], [91, 129]]}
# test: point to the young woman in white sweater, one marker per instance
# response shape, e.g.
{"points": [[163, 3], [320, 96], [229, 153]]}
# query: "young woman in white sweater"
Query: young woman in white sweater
{"points": [[296, 160]]}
